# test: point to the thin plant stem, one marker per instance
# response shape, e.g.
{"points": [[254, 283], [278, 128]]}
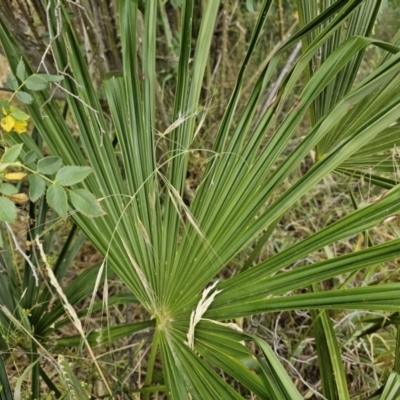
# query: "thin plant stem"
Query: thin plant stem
{"points": [[152, 359]]}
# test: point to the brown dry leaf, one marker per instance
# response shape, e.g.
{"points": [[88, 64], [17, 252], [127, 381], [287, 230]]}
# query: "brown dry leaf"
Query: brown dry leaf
{"points": [[19, 198]]}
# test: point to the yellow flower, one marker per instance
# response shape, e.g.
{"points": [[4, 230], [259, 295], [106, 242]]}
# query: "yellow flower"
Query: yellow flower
{"points": [[10, 121], [20, 126], [7, 122]]}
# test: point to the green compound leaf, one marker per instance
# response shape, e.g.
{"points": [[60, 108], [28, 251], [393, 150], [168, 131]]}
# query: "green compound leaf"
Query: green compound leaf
{"points": [[37, 187], [41, 81], [21, 70], [57, 199], [8, 189], [24, 97], [250, 5], [51, 78], [36, 82], [19, 114], [70, 175], [49, 165], [12, 82], [8, 211], [30, 157], [11, 154], [85, 202]]}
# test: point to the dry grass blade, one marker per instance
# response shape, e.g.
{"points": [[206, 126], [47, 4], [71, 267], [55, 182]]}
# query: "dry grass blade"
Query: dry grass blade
{"points": [[71, 312], [195, 317]]}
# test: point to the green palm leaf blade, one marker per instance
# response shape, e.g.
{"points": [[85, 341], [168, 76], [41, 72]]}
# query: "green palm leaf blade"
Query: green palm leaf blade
{"points": [[371, 325], [294, 75], [360, 23], [142, 207], [187, 373], [176, 153], [368, 177], [386, 140], [212, 187], [246, 195], [370, 104], [378, 155], [234, 293], [391, 390], [186, 107], [209, 199], [129, 91], [221, 346], [355, 222], [126, 220], [176, 387], [97, 144], [333, 377], [99, 337], [6, 392], [105, 180], [396, 366], [165, 251], [380, 297], [328, 381], [277, 379], [9, 290], [134, 119], [378, 164]]}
